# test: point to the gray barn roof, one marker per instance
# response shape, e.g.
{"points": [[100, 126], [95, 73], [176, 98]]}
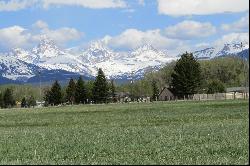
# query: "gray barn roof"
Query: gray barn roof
{"points": [[237, 89]]}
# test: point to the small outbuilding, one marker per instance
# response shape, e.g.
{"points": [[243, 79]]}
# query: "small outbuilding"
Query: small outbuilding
{"points": [[166, 94]]}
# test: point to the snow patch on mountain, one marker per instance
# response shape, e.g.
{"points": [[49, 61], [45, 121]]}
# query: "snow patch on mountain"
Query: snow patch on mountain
{"points": [[15, 69], [22, 64], [217, 51]]}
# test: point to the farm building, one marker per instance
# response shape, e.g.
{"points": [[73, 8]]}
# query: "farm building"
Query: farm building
{"points": [[166, 94]]}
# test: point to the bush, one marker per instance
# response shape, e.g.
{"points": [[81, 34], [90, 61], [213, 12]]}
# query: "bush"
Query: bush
{"points": [[216, 86]]}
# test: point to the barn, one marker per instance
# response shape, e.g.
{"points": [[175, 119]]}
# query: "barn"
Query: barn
{"points": [[166, 94]]}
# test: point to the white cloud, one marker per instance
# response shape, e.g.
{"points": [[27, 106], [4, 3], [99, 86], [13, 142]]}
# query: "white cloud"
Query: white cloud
{"points": [[233, 38], [14, 5], [62, 35], [133, 38], [239, 26], [95, 4], [202, 45], [201, 7], [17, 36], [40, 24], [188, 30], [14, 36]]}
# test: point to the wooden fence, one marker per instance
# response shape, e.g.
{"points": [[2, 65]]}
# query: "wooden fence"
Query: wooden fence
{"points": [[221, 96]]}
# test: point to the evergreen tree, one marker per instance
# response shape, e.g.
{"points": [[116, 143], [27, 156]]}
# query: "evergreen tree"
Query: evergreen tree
{"points": [[100, 88], [47, 97], [31, 101], [1, 101], [8, 98], [216, 86], [186, 78], [112, 90], [89, 90], [56, 96], [81, 93], [155, 91], [70, 91], [24, 103]]}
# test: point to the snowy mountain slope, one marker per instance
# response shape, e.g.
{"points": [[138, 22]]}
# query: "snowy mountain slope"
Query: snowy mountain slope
{"points": [[124, 64], [47, 55], [54, 62], [97, 53], [15, 69], [226, 50]]}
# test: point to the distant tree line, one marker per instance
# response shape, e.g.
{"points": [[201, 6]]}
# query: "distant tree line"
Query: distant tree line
{"points": [[185, 77], [215, 76], [78, 92]]}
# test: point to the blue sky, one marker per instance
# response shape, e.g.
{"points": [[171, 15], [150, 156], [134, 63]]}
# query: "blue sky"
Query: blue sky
{"points": [[172, 25]]}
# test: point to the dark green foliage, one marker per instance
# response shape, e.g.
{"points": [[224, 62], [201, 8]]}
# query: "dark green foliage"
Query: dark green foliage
{"points": [[56, 93], [23, 103], [89, 91], [8, 98], [71, 91], [112, 91], [216, 86], [155, 91], [47, 97], [228, 70], [100, 89], [31, 101], [186, 78], [54, 96], [1, 101], [81, 93], [19, 91]]}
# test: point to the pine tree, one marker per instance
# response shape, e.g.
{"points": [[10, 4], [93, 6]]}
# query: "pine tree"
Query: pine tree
{"points": [[24, 103], [81, 93], [56, 94], [47, 97], [89, 90], [186, 78], [1, 101], [100, 89], [31, 101], [8, 98], [70, 91], [112, 90], [155, 91]]}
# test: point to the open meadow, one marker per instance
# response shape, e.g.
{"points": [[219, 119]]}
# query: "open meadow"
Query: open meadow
{"points": [[183, 132]]}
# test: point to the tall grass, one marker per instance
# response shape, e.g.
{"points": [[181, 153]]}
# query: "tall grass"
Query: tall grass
{"points": [[211, 132]]}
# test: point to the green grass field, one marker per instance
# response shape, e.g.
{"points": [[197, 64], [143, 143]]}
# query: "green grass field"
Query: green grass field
{"points": [[212, 132]]}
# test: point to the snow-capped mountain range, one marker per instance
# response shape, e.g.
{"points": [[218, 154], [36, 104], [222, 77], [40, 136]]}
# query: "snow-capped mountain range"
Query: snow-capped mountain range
{"points": [[49, 59], [228, 49]]}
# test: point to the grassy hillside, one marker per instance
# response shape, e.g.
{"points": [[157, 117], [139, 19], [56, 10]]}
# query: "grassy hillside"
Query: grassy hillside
{"points": [[212, 132]]}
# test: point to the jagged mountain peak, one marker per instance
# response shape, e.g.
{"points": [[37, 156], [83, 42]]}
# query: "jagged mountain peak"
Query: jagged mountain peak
{"points": [[97, 45], [97, 52], [147, 51], [227, 49], [23, 63], [145, 47], [47, 48]]}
